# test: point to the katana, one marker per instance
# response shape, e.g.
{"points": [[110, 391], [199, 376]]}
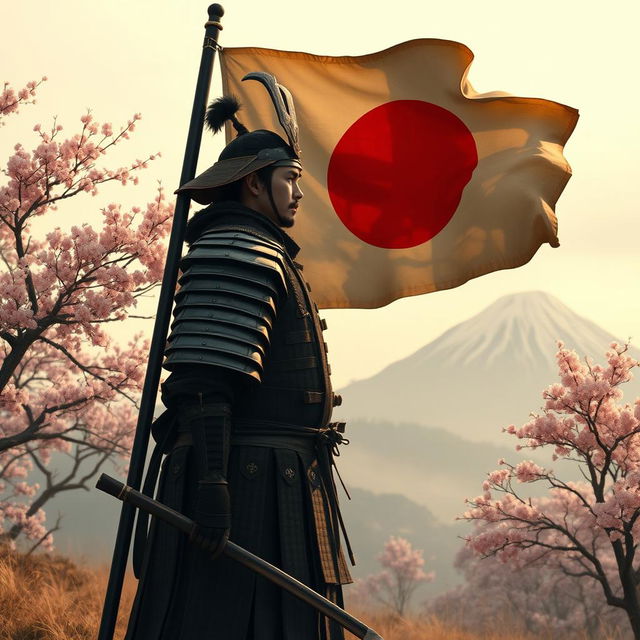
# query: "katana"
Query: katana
{"points": [[283, 580], [161, 326]]}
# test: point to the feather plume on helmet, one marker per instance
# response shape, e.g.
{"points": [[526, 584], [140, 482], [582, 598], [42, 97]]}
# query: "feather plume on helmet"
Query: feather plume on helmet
{"points": [[221, 110], [249, 151]]}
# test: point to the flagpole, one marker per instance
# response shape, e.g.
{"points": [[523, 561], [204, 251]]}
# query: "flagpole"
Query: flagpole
{"points": [[161, 326]]}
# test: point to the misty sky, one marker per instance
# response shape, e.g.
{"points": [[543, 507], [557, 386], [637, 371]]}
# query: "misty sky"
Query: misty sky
{"points": [[119, 58]]}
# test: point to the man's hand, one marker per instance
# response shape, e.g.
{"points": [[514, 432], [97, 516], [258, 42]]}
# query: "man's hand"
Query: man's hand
{"points": [[213, 514]]}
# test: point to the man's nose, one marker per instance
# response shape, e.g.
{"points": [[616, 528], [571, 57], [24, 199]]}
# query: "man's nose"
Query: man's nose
{"points": [[298, 193]]}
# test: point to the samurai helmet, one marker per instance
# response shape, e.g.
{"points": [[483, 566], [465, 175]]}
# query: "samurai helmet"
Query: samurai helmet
{"points": [[250, 150]]}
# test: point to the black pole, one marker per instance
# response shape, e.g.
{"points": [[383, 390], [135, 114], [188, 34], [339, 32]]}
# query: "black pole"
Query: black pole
{"points": [[161, 327], [254, 563]]}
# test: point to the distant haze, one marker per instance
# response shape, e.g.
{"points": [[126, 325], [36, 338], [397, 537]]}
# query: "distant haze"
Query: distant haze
{"points": [[431, 467]]}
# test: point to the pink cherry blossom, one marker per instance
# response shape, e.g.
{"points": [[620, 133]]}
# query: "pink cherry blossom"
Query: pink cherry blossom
{"points": [[588, 525], [65, 385], [533, 596], [10, 99], [402, 573]]}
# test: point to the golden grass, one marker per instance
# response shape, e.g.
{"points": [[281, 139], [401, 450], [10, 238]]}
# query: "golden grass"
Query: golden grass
{"points": [[51, 598], [431, 628], [411, 628]]}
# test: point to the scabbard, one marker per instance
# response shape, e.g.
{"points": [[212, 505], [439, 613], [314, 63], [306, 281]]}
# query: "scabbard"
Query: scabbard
{"points": [[258, 565]]}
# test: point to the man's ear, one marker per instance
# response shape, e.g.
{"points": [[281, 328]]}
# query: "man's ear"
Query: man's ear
{"points": [[253, 184]]}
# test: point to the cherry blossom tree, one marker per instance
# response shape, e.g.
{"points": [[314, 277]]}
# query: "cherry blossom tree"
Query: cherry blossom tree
{"points": [[402, 573], [536, 598], [65, 385], [590, 529]]}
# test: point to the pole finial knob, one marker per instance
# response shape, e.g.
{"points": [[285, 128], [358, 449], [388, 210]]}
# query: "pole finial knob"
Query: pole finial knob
{"points": [[215, 11]]}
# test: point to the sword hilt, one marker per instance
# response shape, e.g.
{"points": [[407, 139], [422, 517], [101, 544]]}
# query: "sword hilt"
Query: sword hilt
{"points": [[110, 485]]}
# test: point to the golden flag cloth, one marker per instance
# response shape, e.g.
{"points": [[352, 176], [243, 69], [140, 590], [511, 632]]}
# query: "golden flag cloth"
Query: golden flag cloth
{"points": [[413, 181]]}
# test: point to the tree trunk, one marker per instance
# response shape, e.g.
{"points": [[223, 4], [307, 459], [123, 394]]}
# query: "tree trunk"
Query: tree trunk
{"points": [[634, 621], [15, 356], [631, 603]]}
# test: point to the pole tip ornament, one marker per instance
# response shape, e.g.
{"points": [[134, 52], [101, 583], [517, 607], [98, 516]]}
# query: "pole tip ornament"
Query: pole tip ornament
{"points": [[250, 150], [215, 11]]}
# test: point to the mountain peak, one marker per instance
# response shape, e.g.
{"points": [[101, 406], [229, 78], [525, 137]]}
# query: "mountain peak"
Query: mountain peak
{"points": [[526, 299], [523, 327], [484, 373]]}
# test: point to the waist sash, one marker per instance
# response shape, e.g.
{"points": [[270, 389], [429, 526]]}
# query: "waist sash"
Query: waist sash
{"points": [[322, 443]]}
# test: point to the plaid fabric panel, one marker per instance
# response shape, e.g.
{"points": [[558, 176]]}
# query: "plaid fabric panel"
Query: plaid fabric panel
{"points": [[334, 569]]}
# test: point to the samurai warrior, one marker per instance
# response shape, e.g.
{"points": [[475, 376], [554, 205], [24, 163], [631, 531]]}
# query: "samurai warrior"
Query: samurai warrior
{"points": [[245, 446]]}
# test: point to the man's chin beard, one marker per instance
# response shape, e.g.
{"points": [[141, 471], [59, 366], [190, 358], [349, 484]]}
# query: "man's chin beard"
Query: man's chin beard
{"points": [[286, 222]]}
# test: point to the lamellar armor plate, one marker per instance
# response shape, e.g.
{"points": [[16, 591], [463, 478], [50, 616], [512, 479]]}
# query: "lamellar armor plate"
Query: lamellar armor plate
{"points": [[226, 306]]}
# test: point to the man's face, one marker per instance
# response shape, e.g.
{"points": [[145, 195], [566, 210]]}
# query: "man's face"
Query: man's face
{"points": [[286, 193]]}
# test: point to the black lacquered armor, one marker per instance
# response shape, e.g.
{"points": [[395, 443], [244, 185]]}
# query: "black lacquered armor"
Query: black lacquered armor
{"points": [[248, 360], [226, 307], [243, 305]]}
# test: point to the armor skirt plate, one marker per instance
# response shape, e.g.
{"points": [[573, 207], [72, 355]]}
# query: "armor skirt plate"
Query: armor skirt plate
{"points": [[280, 512]]}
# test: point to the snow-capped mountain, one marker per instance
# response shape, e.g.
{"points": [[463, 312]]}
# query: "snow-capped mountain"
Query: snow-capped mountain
{"points": [[482, 374]]}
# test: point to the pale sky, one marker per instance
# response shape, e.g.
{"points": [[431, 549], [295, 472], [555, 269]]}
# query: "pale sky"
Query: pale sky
{"points": [[120, 57]]}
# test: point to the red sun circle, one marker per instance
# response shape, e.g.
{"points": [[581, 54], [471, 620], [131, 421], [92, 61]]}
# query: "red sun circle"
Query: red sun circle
{"points": [[396, 176]]}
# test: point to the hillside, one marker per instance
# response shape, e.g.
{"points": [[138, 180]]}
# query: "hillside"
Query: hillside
{"points": [[431, 467]]}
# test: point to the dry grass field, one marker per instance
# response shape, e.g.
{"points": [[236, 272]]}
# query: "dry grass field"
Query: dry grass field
{"points": [[433, 629], [50, 598]]}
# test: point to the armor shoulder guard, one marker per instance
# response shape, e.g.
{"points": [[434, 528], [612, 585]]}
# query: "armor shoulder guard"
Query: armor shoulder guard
{"points": [[230, 289], [263, 256]]}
